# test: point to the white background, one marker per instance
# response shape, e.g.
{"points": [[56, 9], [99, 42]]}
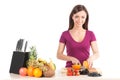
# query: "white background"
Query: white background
{"points": [[41, 23]]}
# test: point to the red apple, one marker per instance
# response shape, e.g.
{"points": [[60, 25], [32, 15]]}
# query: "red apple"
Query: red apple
{"points": [[23, 71]]}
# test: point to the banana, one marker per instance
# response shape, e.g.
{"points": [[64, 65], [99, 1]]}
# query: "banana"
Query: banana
{"points": [[40, 60], [52, 65]]}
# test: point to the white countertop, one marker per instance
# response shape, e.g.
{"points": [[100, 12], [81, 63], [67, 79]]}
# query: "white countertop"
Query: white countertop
{"points": [[59, 76]]}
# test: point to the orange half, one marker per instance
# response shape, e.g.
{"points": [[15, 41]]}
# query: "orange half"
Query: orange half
{"points": [[76, 66]]}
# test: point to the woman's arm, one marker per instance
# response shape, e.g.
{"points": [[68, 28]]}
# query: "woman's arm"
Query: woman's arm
{"points": [[95, 53], [61, 56]]}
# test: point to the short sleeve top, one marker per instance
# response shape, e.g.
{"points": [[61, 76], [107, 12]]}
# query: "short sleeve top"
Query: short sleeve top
{"points": [[80, 50]]}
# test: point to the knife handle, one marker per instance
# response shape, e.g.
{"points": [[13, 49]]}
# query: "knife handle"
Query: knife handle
{"points": [[25, 46]]}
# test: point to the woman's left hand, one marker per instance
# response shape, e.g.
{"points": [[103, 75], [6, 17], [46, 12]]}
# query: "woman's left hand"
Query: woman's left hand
{"points": [[90, 62]]}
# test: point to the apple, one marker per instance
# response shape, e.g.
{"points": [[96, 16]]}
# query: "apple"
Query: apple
{"points": [[23, 71]]}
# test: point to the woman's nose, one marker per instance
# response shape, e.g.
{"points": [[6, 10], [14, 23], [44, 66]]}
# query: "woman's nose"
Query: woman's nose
{"points": [[80, 19]]}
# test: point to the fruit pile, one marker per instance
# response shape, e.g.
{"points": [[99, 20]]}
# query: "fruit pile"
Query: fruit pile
{"points": [[76, 69], [72, 72], [30, 71], [37, 67]]}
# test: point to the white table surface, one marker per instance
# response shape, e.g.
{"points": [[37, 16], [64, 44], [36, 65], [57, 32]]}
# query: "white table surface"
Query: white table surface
{"points": [[58, 76]]}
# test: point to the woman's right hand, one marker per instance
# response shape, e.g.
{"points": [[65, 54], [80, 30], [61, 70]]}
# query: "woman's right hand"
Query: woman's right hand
{"points": [[75, 60]]}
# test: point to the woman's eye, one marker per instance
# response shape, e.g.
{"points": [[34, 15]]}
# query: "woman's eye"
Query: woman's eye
{"points": [[76, 16], [83, 17]]}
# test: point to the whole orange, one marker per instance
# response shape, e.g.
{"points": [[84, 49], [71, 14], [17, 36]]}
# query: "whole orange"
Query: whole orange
{"points": [[37, 72], [30, 71]]}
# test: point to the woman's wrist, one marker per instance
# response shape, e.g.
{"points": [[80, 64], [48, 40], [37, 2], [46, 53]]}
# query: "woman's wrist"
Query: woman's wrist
{"points": [[94, 57], [71, 58]]}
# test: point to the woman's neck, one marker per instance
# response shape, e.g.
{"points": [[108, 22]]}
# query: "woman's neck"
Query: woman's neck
{"points": [[78, 28]]}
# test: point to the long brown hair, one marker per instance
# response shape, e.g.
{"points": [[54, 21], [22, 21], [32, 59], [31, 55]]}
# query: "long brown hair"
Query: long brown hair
{"points": [[76, 9]]}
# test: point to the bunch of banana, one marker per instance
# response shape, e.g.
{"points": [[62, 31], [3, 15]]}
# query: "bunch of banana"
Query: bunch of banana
{"points": [[48, 68], [52, 65], [40, 60], [41, 63]]}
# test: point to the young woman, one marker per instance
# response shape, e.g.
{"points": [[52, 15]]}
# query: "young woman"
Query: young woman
{"points": [[78, 39]]}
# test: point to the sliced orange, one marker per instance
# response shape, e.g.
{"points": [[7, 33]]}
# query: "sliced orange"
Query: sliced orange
{"points": [[76, 66]]}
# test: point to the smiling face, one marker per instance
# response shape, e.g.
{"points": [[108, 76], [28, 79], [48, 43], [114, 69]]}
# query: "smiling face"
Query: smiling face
{"points": [[79, 18]]}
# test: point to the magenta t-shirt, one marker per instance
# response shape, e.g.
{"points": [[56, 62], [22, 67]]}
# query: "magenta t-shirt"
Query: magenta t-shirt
{"points": [[80, 50]]}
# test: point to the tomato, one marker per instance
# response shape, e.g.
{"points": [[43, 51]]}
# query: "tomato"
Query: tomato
{"points": [[37, 72], [69, 69], [69, 73], [23, 71]]}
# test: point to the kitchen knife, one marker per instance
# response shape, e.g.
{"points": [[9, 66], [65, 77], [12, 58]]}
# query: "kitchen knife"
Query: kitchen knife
{"points": [[21, 44], [25, 46], [17, 46]]}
